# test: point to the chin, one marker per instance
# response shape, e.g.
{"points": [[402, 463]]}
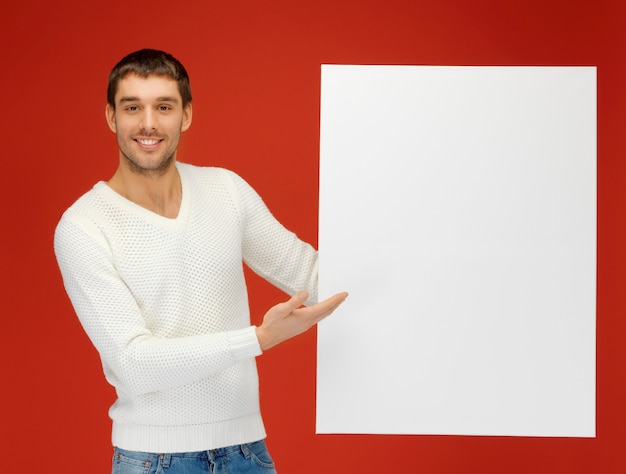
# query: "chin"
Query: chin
{"points": [[148, 166]]}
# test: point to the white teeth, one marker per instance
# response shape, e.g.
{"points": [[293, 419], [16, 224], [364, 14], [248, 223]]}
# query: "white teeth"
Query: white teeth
{"points": [[148, 142]]}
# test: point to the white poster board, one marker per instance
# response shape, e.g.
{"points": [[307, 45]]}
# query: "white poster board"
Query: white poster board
{"points": [[458, 208]]}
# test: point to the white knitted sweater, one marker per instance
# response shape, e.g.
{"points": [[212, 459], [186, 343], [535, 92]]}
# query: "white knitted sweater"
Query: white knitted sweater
{"points": [[164, 302]]}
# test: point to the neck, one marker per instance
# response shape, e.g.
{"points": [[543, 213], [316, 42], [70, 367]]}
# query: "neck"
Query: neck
{"points": [[159, 192]]}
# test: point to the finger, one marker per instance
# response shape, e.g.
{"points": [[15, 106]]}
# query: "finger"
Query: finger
{"points": [[312, 318], [295, 301], [334, 300], [319, 311]]}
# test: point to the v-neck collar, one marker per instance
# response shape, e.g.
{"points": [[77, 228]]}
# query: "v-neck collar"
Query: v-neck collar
{"points": [[175, 223]]}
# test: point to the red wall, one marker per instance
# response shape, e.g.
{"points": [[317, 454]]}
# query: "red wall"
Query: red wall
{"points": [[255, 69]]}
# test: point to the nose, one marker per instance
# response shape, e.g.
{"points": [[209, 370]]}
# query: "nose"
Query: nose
{"points": [[148, 120]]}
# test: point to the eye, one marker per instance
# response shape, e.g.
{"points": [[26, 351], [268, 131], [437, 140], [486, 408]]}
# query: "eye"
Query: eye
{"points": [[164, 108], [132, 108]]}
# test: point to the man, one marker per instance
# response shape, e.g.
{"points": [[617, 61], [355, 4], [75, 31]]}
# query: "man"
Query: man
{"points": [[152, 262]]}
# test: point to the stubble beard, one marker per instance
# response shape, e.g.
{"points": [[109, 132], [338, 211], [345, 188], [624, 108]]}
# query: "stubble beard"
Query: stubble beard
{"points": [[155, 170]]}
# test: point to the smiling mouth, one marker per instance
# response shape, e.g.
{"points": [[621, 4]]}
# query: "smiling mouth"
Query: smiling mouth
{"points": [[147, 141]]}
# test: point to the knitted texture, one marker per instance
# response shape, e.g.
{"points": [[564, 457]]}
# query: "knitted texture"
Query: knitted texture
{"points": [[164, 302]]}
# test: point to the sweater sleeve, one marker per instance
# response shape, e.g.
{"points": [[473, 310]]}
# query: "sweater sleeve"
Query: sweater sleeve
{"points": [[139, 361], [272, 251]]}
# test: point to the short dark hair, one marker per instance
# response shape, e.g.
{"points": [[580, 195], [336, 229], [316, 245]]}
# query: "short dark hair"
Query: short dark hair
{"points": [[146, 62]]}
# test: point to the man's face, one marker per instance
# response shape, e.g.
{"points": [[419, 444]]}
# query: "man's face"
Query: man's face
{"points": [[148, 119]]}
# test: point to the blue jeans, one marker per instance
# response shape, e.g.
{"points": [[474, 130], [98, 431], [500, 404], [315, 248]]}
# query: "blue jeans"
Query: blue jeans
{"points": [[252, 458]]}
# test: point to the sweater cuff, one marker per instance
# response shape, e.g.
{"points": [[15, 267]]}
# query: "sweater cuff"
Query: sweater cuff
{"points": [[244, 344]]}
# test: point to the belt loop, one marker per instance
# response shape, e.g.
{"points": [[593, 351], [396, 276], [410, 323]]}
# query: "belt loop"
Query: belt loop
{"points": [[245, 449], [165, 460]]}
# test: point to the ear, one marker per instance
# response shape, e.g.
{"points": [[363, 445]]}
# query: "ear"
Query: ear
{"points": [[109, 113], [187, 114]]}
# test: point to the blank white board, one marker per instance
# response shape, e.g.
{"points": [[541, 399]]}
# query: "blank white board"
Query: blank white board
{"points": [[458, 208]]}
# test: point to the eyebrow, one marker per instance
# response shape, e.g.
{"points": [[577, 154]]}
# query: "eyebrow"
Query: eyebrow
{"points": [[165, 98]]}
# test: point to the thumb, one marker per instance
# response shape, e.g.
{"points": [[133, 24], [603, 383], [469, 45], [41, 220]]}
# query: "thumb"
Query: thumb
{"points": [[297, 300]]}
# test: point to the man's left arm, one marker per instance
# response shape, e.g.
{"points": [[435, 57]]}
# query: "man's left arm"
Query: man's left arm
{"points": [[272, 251]]}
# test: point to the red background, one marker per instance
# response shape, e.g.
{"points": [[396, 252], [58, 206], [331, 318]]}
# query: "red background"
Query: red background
{"points": [[255, 70]]}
